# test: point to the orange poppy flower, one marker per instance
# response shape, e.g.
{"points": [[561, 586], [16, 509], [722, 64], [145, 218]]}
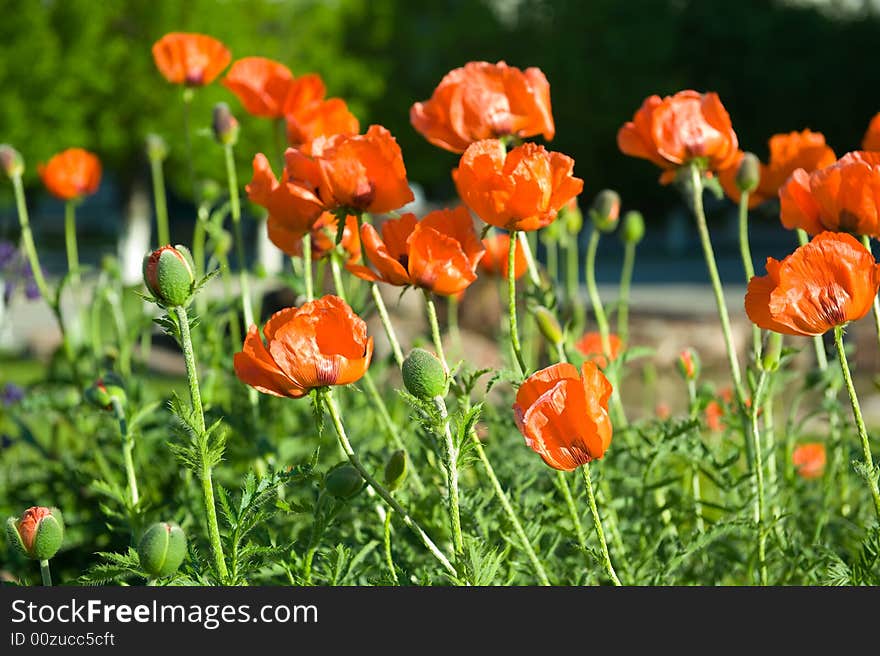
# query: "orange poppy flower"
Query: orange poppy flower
{"points": [[809, 460], [590, 345], [676, 130], [485, 101], [563, 414], [842, 197], [190, 59], [714, 413], [323, 236], [662, 410], [439, 253], [309, 116], [71, 174], [788, 152], [320, 343], [494, 262], [260, 84], [871, 140], [519, 190], [826, 283]]}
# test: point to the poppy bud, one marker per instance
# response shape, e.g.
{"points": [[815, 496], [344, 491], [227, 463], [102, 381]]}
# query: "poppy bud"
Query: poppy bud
{"points": [[572, 217], [39, 532], [547, 324], [688, 364], [157, 149], [395, 470], [162, 549], [605, 210], [423, 375], [11, 161], [104, 390], [748, 175], [343, 481], [168, 274], [633, 227], [225, 125], [209, 191]]}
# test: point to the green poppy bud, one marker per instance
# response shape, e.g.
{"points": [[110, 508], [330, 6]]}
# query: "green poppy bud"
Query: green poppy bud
{"points": [[688, 364], [748, 175], [423, 375], [168, 274], [633, 229], [572, 218], [225, 125], [605, 210], [39, 532], [343, 481], [104, 390], [162, 549], [395, 470], [157, 149], [547, 324], [11, 161]]}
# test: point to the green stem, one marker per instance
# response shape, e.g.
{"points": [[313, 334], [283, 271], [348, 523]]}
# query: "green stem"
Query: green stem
{"points": [[597, 522], [709, 254], [199, 417], [435, 330], [745, 252], [450, 464], [337, 276], [511, 303], [45, 573], [693, 409], [758, 451], [327, 397], [187, 95], [553, 260], [452, 325], [531, 265], [572, 282], [307, 267], [115, 304], [70, 241], [572, 510], [629, 259], [160, 201], [235, 208], [127, 451], [857, 415], [386, 324], [389, 560]]}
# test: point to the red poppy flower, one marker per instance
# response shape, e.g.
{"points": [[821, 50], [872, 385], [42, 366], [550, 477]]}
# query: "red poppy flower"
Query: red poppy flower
{"points": [[809, 460], [439, 253], [788, 152], [563, 414], [485, 101], [494, 262], [71, 174], [871, 140], [590, 345], [320, 343], [323, 236], [677, 130], [190, 59], [826, 283], [519, 190], [842, 197], [261, 85]]}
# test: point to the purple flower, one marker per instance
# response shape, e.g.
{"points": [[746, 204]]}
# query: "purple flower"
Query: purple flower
{"points": [[11, 394], [15, 270], [7, 252]]}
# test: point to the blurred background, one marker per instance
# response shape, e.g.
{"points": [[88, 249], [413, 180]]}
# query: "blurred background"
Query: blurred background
{"points": [[80, 73]]}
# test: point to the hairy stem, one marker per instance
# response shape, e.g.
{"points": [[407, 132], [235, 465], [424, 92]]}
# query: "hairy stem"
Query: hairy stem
{"points": [[45, 573], [597, 522], [745, 252], [626, 273], [70, 241], [386, 324], [450, 464], [235, 209], [127, 451], [511, 303]]}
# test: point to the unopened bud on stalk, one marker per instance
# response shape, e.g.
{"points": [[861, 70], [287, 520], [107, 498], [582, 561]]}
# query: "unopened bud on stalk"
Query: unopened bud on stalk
{"points": [[633, 229], [343, 481], [395, 470], [168, 274], [39, 532], [748, 175], [547, 324], [770, 361], [11, 161], [162, 549], [605, 210], [423, 375], [572, 217], [157, 149], [104, 390], [209, 191], [225, 125], [688, 364]]}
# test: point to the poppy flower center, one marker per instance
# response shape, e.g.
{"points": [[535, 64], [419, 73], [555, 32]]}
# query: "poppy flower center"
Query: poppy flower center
{"points": [[404, 261]]}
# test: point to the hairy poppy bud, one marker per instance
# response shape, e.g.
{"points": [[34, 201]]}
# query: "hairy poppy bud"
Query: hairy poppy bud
{"points": [[423, 374], [395, 470], [748, 175], [11, 161], [225, 125], [157, 149], [104, 390], [688, 364], [605, 210], [547, 324], [168, 274], [633, 229], [162, 549], [38, 533], [343, 481]]}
